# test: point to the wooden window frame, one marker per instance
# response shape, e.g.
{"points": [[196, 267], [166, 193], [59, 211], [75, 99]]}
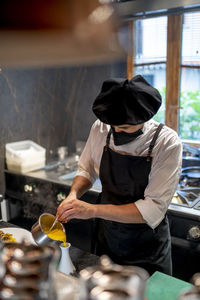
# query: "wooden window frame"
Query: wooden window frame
{"points": [[173, 69], [173, 65], [174, 33]]}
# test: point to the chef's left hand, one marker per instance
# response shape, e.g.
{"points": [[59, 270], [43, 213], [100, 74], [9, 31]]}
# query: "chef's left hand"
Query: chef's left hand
{"points": [[74, 209]]}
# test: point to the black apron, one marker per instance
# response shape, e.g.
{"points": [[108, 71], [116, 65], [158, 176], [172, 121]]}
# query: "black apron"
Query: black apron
{"points": [[124, 179]]}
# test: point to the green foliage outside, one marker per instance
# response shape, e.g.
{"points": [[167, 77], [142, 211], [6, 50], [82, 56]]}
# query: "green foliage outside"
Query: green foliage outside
{"points": [[189, 119], [160, 116], [190, 115]]}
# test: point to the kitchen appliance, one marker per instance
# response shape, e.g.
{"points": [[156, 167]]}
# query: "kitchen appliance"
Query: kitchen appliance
{"points": [[191, 156], [184, 216], [190, 176]]}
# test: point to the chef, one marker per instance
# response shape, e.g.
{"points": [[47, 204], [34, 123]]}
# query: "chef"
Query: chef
{"points": [[138, 162]]}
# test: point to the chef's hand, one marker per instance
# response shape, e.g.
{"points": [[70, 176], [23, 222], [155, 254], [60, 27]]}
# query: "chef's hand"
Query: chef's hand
{"points": [[72, 208]]}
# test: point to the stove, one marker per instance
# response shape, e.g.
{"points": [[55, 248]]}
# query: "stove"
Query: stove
{"points": [[186, 200]]}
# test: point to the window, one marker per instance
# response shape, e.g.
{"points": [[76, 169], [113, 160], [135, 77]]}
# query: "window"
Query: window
{"points": [[167, 54], [150, 55], [189, 120]]}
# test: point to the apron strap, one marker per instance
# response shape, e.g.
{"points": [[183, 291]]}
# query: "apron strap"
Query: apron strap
{"points": [[152, 144], [108, 138]]}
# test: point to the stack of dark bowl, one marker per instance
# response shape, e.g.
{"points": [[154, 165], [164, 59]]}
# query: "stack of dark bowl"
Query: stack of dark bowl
{"points": [[27, 272]]}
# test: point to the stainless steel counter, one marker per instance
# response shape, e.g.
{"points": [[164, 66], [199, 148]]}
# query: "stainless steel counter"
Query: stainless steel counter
{"points": [[61, 176], [65, 177]]}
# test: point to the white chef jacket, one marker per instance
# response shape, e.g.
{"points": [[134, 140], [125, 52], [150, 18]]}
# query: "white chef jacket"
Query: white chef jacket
{"points": [[165, 169]]}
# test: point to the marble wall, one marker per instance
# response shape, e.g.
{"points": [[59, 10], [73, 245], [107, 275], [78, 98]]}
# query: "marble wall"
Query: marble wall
{"points": [[51, 106]]}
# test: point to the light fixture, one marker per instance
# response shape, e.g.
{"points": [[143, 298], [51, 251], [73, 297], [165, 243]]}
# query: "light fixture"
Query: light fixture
{"points": [[61, 32]]}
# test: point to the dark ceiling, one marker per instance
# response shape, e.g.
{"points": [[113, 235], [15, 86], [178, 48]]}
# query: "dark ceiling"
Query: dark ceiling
{"points": [[129, 9]]}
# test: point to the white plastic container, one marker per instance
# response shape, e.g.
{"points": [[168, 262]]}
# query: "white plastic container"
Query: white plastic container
{"points": [[25, 156]]}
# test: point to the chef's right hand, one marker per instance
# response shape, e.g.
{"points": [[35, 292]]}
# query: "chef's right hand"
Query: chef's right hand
{"points": [[61, 207], [73, 208]]}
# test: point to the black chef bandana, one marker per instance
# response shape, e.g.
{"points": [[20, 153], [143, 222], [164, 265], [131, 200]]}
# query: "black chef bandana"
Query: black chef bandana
{"points": [[123, 101]]}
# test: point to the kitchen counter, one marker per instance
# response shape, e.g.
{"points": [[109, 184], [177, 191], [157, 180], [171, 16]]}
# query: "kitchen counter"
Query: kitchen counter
{"points": [[28, 195], [64, 176], [80, 258]]}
